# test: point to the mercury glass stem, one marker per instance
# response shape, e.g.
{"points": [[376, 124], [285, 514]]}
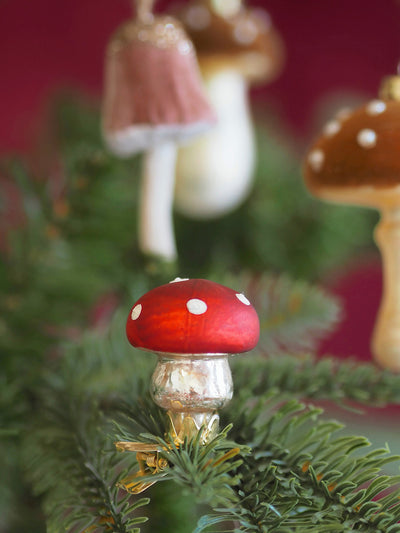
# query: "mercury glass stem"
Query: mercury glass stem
{"points": [[191, 388]]}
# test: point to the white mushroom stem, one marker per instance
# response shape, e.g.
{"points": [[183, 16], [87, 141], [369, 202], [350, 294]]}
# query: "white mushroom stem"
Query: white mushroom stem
{"points": [[214, 173], [156, 233], [386, 337]]}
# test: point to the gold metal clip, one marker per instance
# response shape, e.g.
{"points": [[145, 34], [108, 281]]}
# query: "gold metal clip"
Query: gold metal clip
{"points": [[149, 460]]}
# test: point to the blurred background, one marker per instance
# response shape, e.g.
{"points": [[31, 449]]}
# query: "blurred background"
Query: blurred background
{"points": [[336, 55]]}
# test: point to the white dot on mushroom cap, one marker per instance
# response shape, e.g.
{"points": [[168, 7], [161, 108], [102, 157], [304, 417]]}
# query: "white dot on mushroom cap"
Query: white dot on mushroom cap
{"points": [[366, 138], [196, 307], [245, 32], [375, 107], [316, 159], [332, 127], [343, 113], [135, 314], [242, 298], [177, 280], [198, 17]]}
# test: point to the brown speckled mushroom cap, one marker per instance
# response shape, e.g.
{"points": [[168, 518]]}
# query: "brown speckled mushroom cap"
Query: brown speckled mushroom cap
{"points": [[244, 40], [357, 158]]}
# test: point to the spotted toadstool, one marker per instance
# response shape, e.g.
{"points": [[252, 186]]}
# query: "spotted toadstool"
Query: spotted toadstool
{"points": [[153, 101], [236, 47], [356, 161], [192, 325]]}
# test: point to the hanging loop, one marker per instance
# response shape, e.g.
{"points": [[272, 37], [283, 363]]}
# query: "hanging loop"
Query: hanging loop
{"points": [[144, 10]]}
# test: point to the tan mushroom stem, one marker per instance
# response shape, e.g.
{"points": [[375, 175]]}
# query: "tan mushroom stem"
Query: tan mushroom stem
{"points": [[386, 336], [385, 343], [191, 388], [156, 231]]}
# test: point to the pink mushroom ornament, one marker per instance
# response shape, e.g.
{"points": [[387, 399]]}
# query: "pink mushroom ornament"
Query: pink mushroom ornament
{"points": [[193, 325], [153, 101]]}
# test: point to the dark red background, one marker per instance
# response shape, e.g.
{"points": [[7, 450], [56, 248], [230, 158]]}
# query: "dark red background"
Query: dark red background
{"points": [[334, 48]]}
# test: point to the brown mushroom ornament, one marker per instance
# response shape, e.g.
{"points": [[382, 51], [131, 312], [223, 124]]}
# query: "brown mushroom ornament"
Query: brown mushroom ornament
{"points": [[237, 47], [192, 325], [357, 161]]}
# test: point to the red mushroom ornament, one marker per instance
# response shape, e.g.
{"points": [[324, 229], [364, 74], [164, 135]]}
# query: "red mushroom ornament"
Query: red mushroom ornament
{"points": [[193, 325]]}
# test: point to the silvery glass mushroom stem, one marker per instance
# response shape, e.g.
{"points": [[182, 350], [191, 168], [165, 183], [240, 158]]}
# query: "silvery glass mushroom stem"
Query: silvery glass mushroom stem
{"points": [[386, 336], [156, 233], [191, 388]]}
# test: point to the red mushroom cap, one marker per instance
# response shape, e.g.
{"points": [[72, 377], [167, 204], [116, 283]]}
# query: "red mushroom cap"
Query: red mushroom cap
{"points": [[193, 317]]}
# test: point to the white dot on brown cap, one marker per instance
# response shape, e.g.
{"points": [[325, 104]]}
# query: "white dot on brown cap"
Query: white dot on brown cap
{"points": [[332, 127], [366, 138], [316, 159], [375, 107], [242, 298], [196, 306], [245, 32], [198, 17], [135, 314], [343, 113]]}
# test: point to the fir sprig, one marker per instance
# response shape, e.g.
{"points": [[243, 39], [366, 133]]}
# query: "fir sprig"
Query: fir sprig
{"points": [[301, 477], [325, 378], [294, 315], [74, 468]]}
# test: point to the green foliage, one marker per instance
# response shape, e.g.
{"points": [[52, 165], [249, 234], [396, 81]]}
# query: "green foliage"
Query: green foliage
{"points": [[71, 463], [301, 477], [279, 466], [315, 378], [294, 315], [62, 404]]}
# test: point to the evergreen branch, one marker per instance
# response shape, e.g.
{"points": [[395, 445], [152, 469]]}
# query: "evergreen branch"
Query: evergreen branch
{"points": [[300, 477], [72, 467], [312, 378], [294, 315], [207, 469]]}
